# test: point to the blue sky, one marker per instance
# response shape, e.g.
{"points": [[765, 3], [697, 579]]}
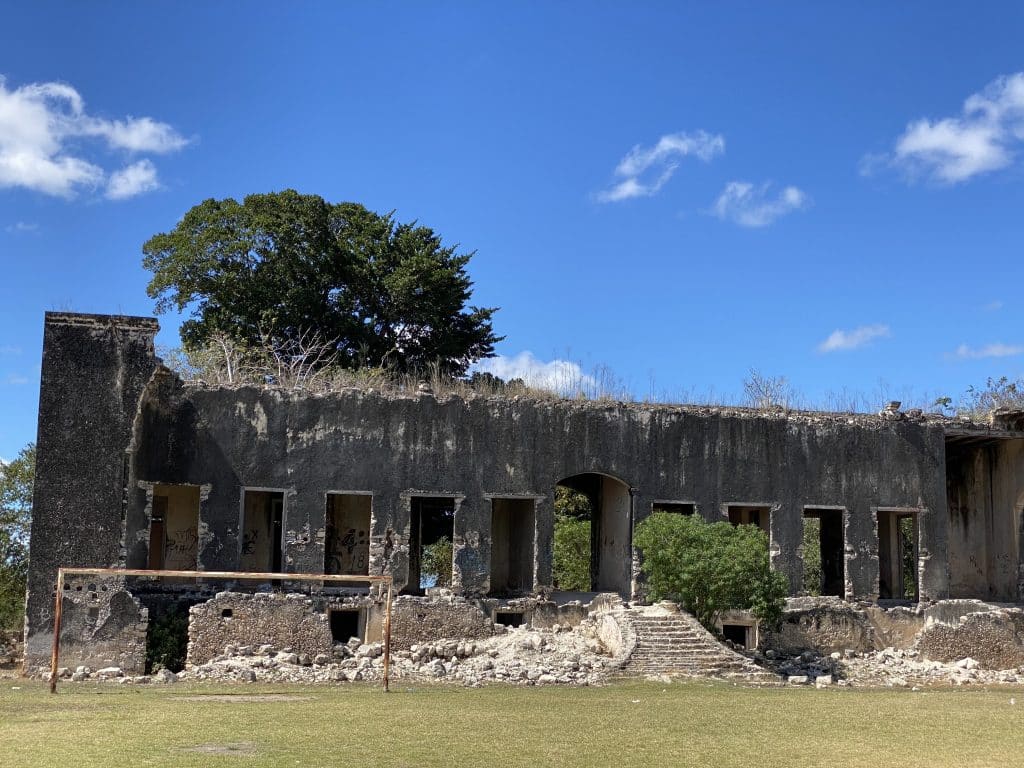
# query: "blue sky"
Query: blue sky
{"points": [[680, 192]]}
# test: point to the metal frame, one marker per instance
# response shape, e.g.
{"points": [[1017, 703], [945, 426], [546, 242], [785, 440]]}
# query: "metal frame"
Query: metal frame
{"points": [[228, 575]]}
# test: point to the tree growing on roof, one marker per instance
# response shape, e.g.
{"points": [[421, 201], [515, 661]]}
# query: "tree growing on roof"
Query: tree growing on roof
{"points": [[280, 266]]}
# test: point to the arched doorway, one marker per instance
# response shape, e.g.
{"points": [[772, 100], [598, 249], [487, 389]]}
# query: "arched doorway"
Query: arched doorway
{"points": [[599, 508]]}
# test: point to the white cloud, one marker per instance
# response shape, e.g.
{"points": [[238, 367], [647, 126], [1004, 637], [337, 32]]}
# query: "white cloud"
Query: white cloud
{"points": [[16, 380], [645, 170], [981, 139], [754, 206], [40, 128], [964, 352], [132, 180], [556, 375], [858, 337], [21, 227], [994, 306], [8, 349]]}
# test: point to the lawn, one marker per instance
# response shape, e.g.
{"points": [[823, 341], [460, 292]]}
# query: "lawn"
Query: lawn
{"points": [[637, 724]]}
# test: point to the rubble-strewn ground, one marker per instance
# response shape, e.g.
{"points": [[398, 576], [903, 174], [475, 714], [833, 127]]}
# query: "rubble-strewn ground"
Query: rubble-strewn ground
{"points": [[626, 725]]}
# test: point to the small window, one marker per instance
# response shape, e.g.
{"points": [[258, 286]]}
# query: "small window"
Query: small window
{"points": [[226, 613], [509, 618], [344, 625], [674, 507]]}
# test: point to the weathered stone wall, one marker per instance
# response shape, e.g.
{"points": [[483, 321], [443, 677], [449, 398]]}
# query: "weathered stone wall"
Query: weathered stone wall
{"points": [[425, 620], [482, 447], [823, 624], [993, 638], [94, 371], [282, 620], [102, 625]]}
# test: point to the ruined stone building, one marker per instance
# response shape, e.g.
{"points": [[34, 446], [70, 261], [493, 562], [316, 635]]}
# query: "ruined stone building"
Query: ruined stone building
{"points": [[137, 470]]}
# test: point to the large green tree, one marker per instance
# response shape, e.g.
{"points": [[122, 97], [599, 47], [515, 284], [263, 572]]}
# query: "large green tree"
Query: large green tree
{"points": [[16, 481], [281, 265]]}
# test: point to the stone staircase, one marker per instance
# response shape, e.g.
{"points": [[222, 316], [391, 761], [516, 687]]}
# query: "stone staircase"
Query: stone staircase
{"points": [[673, 643]]}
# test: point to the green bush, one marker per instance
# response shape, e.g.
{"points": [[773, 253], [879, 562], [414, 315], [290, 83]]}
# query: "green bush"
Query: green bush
{"points": [[167, 641], [570, 566], [710, 567], [812, 555], [437, 562]]}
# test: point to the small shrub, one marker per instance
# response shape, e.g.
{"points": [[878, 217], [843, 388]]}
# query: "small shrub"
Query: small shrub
{"points": [[571, 556], [167, 641]]}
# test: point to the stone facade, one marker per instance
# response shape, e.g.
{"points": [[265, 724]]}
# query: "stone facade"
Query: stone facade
{"points": [[136, 469]]}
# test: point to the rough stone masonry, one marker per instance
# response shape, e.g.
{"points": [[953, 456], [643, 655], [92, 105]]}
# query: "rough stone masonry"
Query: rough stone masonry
{"points": [[136, 469]]}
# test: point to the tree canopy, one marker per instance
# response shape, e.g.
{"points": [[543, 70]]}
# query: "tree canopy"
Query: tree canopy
{"points": [[16, 481], [282, 265]]}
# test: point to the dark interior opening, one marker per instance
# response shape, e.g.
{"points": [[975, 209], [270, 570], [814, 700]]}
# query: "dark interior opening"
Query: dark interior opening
{"points": [[674, 507], [226, 613], [344, 625], [824, 552], [735, 633], [897, 555], [508, 618], [742, 514]]}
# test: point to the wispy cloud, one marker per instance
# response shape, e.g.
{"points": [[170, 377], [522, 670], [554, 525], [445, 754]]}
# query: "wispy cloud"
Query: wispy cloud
{"points": [[7, 349], [981, 139], [645, 170], [748, 205], [556, 375], [993, 306], [840, 340], [132, 180], [998, 349], [21, 227], [16, 380], [42, 128]]}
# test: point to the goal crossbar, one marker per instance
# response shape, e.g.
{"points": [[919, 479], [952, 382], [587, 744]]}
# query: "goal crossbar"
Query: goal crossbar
{"points": [[226, 575]]}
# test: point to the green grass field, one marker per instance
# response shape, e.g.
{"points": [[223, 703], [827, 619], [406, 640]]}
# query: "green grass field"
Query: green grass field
{"points": [[641, 724]]}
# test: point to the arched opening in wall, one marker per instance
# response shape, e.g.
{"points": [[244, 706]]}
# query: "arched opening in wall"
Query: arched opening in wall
{"points": [[592, 535], [898, 558]]}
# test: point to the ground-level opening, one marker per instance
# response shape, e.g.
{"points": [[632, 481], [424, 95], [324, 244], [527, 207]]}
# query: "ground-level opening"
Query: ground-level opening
{"points": [[509, 618], [898, 555], [347, 539], [674, 507], [174, 528], [735, 633], [750, 514], [346, 623], [262, 526], [431, 533], [824, 552], [592, 534], [167, 637], [512, 546]]}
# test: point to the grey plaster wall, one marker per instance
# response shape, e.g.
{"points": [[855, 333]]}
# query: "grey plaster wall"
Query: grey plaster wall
{"points": [[397, 447]]}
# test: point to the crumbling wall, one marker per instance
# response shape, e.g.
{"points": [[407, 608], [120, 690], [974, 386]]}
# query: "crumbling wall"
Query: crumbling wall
{"points": [[94, 371], [993, 638], [823, 624], [426, 619], [102, 625], [233, 618]]}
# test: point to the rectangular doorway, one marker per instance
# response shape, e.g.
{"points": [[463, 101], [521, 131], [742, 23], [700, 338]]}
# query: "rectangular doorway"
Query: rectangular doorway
{"points": [[431, 533], [512, 549], [347, 540], [824, 551], [898, 555], [262, 526]]}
